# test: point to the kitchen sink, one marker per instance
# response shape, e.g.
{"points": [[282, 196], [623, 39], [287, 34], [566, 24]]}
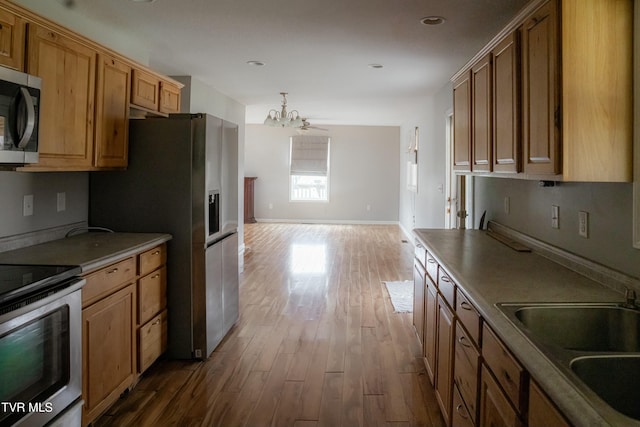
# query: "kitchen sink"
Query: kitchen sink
{"points": [[595, 345], [581, 327], [614, 378]]}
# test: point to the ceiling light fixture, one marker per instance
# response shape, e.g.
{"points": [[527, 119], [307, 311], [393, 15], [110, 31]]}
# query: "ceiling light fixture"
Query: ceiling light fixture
{"points": [[283, 118], [376, 66], [255, 63], [432, 20]]}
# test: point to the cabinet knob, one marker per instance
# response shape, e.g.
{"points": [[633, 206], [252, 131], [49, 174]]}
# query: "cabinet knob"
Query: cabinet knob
{"points": [[112, 271]]}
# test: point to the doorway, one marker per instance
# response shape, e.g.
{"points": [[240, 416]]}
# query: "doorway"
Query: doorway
{"points": [[459, 191]]}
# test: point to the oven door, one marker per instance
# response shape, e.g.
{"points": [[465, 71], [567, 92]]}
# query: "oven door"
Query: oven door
{"points": [[41, 358]]}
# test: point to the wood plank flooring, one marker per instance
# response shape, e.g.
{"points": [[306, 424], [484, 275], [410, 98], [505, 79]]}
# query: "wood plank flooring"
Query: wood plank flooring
{"points": [[317, 343]]}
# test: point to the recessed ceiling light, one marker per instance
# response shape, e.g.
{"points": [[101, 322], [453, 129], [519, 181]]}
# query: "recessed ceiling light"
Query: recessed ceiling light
{"points": [[376, 66], [432, 20], [256, 63]]}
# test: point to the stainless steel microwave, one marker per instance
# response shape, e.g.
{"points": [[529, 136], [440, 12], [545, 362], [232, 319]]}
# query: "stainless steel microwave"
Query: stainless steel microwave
{"points": [[19, 107]]}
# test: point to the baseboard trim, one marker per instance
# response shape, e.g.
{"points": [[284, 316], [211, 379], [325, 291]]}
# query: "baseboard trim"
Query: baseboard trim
{"points": [[326, 221]]}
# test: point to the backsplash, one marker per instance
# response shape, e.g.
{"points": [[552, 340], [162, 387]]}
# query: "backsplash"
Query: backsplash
{"points": [[609, 208], [44, 187]]}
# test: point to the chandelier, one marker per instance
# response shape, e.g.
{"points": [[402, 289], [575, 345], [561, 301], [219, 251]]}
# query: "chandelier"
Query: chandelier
{"points": [[283, 118]]}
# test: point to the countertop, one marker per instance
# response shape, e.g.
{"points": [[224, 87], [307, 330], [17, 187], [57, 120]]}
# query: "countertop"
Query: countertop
{"points": [[90, 251], [490, 272]]}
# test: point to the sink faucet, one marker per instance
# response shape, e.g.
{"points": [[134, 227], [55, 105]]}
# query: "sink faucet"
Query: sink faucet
{"points": [[629, 298]]}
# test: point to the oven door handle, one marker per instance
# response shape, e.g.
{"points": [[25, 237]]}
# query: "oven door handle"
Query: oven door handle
{"points": [[31, 118]]}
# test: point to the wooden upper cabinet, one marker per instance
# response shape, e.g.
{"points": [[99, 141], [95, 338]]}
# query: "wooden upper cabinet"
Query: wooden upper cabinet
{"points": [[68, 70], [462, 123], [540, 91], [12, 40], [481, 113], [112, 113], [145, 90], [506, 105], [169, 98], [597, 90]]}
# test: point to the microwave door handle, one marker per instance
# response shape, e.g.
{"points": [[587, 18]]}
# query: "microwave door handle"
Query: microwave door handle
{"points": [[31, 118]]}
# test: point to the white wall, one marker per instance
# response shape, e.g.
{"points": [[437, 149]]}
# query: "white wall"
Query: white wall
{"points": [[364, 170], [426, 208]]}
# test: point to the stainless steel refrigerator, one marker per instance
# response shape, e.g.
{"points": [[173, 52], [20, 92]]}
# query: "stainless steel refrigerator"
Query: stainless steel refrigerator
{"points": [[182, 179]]}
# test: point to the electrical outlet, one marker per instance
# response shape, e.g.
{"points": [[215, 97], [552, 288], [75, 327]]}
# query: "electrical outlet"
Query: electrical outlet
{"points": [[583, 224], [27, 205], [555, 216], [61, 202], [507, 202]]}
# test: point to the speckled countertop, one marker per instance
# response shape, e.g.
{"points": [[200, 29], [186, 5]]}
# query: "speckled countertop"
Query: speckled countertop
{"points": [[90, 251], [490, 272]]}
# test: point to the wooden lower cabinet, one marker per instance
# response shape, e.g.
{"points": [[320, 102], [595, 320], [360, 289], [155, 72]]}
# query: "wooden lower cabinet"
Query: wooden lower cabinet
{"points": [[542, 412], [418, 300], [430, 329], [124, 327], [495, 409], [109, 349], [444, 363]]}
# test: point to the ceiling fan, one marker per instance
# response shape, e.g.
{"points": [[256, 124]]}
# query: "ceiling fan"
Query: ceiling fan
{"points": [[307, 126]]}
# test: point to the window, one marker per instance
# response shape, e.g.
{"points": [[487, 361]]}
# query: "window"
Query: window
{"points": [[309, 168]]}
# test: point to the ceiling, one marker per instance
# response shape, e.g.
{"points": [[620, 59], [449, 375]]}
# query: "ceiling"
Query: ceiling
{"points": [[318, 51]]}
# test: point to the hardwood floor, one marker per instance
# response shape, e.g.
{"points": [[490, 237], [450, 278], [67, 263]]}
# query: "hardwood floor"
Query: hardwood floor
{"points": [[317, 343]]}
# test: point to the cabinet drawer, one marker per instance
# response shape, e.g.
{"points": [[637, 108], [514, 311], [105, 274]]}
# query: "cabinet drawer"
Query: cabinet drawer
{"points": [[466, 371], [460, 416], [432, 268], [152, 259], [152, 294], [447, 287], [152, 340], [420, 253], [469, 317], [507, 370], [108, 280]]}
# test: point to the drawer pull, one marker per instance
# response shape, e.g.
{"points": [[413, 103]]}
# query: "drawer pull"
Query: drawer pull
{"points": [[462, 341], [157, 321], [431, 260], [155, 276], [156, 253], [506, 376], [112, 271], [445, 279], [466, 306], [459, 410]]}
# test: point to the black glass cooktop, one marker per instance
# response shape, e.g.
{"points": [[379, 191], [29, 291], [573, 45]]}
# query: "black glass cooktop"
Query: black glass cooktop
{"points": [[17, 280]]}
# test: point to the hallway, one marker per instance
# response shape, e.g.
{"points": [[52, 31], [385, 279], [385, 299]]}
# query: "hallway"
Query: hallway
{"points": [[317, 343]]}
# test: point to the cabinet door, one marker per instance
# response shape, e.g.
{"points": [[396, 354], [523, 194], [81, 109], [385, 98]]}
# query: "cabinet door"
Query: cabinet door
{"points": [[112, 113], [481, 113], [12, 41], [68, 70], [169, 98], [462, 123], [540, 91], [444, 364], [418, 300], [495, 409], [506, 105], [108, 356], [145, 90], [430, 329], [542, 412]]}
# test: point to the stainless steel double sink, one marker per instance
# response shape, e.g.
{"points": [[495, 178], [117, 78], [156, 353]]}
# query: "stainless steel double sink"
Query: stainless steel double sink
{"points": [[597, 347]]}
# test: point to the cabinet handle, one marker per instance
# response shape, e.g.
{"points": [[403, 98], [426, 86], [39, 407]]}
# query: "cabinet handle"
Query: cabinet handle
{"points": [[155, 276], [466, 306], [445, 279], [463, 414], [462, 340], [155, 253], [156, 322], [112, 271], [431, 260]]}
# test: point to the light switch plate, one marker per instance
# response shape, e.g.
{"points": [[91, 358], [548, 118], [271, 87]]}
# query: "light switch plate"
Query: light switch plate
{"points": [[555, 216], [61, 201], [27, 205]]}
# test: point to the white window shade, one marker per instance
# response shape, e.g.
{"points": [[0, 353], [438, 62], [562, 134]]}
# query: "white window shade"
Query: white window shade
{"points": [[309, 155]]}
